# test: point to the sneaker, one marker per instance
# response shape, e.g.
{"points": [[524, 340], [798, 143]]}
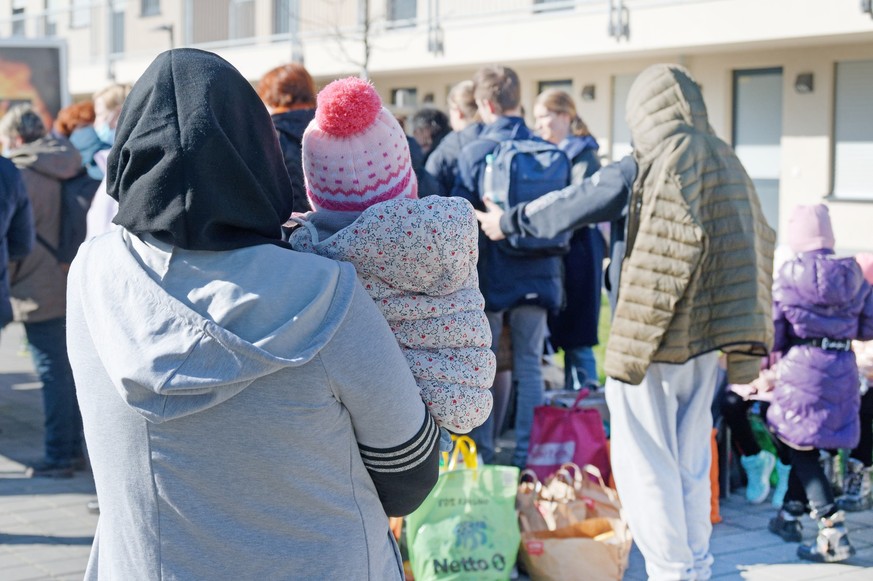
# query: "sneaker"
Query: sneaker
{"points": [[46, 469], [832, 543], [783, 471], [857, 487], [787, 527], [758, 469]]}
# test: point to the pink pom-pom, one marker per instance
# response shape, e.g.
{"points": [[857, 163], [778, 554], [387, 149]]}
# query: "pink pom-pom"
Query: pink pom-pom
{"points": [[347, 106]]}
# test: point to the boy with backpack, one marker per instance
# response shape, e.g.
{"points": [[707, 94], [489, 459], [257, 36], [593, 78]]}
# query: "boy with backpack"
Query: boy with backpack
{"points": [[522, 282]]}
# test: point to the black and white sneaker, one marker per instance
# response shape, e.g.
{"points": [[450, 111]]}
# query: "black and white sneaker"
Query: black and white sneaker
{"points": [[787, 527], [832, 543]]}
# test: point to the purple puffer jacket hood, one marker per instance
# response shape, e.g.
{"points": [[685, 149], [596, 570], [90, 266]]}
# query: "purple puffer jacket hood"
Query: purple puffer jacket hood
{"points": [[816, 400]]}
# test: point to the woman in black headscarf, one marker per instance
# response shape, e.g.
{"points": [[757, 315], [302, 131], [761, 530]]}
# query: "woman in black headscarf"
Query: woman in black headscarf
{"points": [[213, 364], [194, 164]]}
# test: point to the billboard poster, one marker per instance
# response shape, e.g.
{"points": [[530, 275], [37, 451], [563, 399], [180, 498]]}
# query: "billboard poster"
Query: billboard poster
{"points": [[35, 74]]}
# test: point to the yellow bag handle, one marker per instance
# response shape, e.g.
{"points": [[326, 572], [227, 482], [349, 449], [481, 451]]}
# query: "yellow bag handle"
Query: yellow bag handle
{"points": [[466, 448]]}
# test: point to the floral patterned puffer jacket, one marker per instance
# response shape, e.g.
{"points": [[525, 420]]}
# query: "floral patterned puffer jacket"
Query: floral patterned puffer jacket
{"points": [[417, 259]]}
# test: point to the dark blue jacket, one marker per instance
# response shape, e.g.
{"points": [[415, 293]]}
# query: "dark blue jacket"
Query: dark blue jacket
{"points": [[17, 232], [290, 127], [442, 163], [576, 324], [506, 280]]}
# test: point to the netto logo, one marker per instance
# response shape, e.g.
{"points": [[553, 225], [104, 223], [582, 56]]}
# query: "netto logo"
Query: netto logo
{"points": [[471, 535]]}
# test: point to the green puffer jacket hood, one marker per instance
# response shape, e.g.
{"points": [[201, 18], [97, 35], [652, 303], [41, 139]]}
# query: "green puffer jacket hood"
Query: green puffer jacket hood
{"points": [[697, 272]]}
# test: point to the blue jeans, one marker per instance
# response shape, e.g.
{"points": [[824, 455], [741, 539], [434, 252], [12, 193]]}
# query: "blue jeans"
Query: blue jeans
{"points": [[63, 422], [528, 333], [580, 368]]}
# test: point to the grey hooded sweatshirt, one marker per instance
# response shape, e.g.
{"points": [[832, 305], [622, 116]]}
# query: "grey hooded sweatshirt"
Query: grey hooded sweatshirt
{"points": [[244, 412]]}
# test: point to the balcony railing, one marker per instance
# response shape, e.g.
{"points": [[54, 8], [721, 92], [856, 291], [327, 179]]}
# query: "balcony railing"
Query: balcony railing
{"points": [[95, 30]]}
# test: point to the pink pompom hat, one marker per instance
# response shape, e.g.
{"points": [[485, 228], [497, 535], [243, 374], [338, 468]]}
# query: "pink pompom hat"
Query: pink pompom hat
{"points": [[355, 154]]}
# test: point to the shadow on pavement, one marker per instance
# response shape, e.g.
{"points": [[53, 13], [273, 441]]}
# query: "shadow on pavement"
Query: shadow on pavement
{"points": [[43, 540]]}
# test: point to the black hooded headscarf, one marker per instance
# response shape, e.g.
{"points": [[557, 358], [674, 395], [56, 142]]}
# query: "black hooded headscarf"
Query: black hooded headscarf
{"points": [[196, 161]]}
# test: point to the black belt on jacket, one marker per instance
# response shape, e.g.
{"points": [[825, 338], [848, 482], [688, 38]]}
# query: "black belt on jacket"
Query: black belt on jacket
{"points": [[826, 344]]}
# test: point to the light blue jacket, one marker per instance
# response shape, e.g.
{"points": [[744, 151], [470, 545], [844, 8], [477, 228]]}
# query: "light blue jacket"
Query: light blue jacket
{"points": [[247, 413]]}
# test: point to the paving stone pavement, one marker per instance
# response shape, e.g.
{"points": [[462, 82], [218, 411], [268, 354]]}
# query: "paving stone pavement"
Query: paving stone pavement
{"points": [[45, 527], [46, 530]]}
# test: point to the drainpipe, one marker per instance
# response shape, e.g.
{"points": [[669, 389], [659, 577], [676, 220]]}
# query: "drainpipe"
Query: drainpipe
{"points": [[619, 20], [294, 31], [434, 31]]}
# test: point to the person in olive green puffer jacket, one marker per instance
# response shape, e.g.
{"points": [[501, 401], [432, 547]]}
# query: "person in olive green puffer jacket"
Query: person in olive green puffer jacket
{"points": [[696, 280]]}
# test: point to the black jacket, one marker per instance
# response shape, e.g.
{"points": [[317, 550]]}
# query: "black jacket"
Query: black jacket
{"points": [[442, 163], [576, 324]]}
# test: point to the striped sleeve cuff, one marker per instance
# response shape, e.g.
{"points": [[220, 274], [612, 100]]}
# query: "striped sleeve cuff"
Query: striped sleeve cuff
{"points": [[406, 456]]}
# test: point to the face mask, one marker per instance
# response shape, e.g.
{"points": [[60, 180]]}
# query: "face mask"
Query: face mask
{"points": [[105, 133]]}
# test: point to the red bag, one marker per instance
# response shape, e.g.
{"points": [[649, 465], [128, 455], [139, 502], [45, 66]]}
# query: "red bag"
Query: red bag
{"points": [[561, 435]]}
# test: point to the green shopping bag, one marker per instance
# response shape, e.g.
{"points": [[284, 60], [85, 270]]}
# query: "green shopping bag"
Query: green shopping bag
{"points": [[467, 527]]}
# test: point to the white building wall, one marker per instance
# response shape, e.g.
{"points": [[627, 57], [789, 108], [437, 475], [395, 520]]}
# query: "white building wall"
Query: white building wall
{"points": [[713, 38]]}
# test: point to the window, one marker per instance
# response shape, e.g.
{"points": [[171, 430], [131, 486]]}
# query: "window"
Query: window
{"points": [[404, 98], [80, 13], [621, 136], [18, 22], [209, 21], [50, 19], [402, 12], [281, 16], [564, 85], [149, 7], [242, 19], [552, 5], [117, 35], [853, 131], [757, 133]]}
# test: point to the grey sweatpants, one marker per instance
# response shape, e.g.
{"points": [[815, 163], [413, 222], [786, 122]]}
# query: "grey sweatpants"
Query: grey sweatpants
{"points": [[660, 445]]}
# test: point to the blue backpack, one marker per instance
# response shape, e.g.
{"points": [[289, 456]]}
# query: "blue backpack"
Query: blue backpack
{"points": [[526, 169]]}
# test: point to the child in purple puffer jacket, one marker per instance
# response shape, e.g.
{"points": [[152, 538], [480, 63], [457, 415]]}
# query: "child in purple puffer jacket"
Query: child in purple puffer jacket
{"points": [[820, 303]]}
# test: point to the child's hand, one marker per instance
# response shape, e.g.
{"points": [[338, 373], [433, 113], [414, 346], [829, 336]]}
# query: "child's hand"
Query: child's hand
{"points": [[744, 390]]}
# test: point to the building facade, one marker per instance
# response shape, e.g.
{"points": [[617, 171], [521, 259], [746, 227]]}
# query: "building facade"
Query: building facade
{"points": [[787, 82]]}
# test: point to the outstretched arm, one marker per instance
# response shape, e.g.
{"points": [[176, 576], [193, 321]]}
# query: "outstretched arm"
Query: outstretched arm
{"points": [[602, 197]]}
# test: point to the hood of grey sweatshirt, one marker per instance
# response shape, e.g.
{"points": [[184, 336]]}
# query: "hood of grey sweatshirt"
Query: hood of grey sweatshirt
{"points": [[181, 340]]}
